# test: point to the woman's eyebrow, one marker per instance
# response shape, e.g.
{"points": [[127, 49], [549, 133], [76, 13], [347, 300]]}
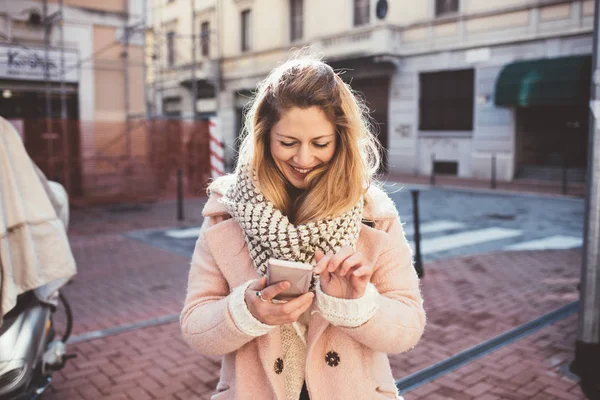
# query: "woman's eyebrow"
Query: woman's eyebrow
{"points": [[317, 138]]}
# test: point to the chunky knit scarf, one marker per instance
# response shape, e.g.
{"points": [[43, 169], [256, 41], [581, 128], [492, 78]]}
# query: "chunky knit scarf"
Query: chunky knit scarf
{"points": [[269, 233]]}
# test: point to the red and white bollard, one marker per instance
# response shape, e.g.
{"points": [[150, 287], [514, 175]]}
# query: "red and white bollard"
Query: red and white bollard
{"points": [[217, 152]]}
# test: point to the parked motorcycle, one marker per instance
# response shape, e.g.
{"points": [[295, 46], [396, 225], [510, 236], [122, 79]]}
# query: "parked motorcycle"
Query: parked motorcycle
{"points": [[36, 262]]}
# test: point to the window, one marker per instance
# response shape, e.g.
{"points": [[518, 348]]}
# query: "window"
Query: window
{"points": [[443, 7], [296, 13], [445, 167], [446, 101], [362, 12], [246, 30], [171, 48], [172, 106], [205, 38]]}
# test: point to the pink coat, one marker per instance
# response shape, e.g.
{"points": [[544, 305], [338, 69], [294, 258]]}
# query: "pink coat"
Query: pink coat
{"points": [[251, 366]]}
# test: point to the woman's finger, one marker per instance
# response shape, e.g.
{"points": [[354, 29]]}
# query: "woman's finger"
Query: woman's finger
{"points": [[319, 255], [322, 263], [294, 304], [365, 270], [258, 284], [325, 277], [299, 311], [339, 258], [355, 260], [273, 290]]}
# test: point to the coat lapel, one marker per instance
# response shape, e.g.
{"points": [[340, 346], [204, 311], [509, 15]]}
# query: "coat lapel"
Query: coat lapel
{"points": [[228, 247]]}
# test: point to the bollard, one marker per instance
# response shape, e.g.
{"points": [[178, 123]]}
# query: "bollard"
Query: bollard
{"points": [[564, 175], [493, 183], [432, 177], [417, 236], [179, 194]]}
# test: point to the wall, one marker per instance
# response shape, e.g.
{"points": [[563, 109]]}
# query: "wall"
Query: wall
{"points": [[494, 127]]}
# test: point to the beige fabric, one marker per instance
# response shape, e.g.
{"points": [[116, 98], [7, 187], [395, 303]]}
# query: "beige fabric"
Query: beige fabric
{"points": [[34, 249]]}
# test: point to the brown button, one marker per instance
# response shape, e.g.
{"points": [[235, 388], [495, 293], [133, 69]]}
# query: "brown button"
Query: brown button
{"points": [[278, 366], [332, 359]]}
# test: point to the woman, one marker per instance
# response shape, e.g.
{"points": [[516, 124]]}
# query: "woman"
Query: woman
{"points": [[302, 192]]}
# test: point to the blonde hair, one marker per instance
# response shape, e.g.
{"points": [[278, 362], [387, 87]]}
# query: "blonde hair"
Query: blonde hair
{"points": [[335, 187]]}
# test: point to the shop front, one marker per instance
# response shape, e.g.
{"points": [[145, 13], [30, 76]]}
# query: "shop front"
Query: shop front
{"points": [[550, 98], [35, 95]]}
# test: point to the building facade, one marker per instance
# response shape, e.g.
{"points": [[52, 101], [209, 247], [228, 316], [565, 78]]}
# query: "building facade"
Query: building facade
{"points": [[454, 85], [72, 82]]}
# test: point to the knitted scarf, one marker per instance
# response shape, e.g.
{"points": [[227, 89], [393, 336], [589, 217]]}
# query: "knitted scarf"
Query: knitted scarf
{"points": [[269, 233]]}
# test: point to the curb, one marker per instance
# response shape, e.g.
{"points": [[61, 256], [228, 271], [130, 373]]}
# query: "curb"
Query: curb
{"points": [[501, 192]]}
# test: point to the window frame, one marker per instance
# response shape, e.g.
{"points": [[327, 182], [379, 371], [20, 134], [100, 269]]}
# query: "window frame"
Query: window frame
{"points": [[246, 30], [440, 12], [296, 21], [171, 46], [447, 101], [205, 39], [357, 16]]}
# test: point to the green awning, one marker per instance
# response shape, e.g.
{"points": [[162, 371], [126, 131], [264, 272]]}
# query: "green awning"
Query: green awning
{"points": [[545, 82]]}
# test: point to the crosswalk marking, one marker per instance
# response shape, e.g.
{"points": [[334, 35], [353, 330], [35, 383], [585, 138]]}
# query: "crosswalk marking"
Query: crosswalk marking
{"points": [[558, 242], [435, 226], [452, 241], [183, 233], [468, 238]]}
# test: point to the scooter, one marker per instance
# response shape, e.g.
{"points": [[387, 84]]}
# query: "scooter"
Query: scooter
{"points": [[34, 216], [29, 349]]}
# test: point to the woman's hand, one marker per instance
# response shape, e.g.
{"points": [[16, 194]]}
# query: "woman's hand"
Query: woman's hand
{"points": [[275, 313], [343, 274]]}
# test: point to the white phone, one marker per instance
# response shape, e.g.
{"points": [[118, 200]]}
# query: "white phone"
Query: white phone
{"points": [[298, 274]]}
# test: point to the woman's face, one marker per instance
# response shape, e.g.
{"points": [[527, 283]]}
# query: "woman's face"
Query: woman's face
{"points": [[302, 140]]}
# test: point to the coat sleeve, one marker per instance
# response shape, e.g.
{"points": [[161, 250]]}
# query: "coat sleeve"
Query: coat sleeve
{"points": [[399, 321], [206, 321]]}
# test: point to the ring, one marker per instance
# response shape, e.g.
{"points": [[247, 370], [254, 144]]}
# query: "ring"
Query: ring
{"points": [[259, 295]]}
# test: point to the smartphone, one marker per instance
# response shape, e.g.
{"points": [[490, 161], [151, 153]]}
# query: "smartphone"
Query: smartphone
{"points": [[298, 274]]}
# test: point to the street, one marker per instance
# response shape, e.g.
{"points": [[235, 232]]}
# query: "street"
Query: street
{"points": [[453, 223], [132, 281]]}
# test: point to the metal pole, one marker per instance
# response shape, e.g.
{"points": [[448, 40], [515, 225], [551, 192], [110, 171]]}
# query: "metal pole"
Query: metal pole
{"points": [[49, 137], [417, 236], [148, 124], [587, 348], [564, 173], [145, 66], [432, 177], [493, 183], [218, 77], [125, 56], [63, 104], [180, 216], [194, 62]]}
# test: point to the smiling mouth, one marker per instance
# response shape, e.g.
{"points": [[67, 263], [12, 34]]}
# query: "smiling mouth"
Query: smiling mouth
{"points": [[302, 171]]}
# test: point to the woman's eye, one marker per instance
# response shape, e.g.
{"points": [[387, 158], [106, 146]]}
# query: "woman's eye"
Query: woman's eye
{"points": [[287, 144], [322, 145]]}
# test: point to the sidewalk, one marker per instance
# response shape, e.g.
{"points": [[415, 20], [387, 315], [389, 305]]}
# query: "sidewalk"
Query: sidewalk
{"points": [[574, 189], [469, 300]]}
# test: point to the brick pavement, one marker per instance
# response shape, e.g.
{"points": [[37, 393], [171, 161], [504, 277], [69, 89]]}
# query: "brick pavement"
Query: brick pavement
{"points": [[127, 217], [468, 300], [531, 368]]}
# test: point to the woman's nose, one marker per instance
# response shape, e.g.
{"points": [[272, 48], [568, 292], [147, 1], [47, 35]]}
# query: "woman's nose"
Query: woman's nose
{"points": [[303, 157]]}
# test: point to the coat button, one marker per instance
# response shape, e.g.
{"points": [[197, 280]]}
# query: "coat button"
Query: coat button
{"points": [[332, 359], [278, 366]]}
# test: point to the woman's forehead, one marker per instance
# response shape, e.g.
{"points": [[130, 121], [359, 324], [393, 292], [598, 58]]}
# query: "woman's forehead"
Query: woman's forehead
{"points": [[303, 123]]}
